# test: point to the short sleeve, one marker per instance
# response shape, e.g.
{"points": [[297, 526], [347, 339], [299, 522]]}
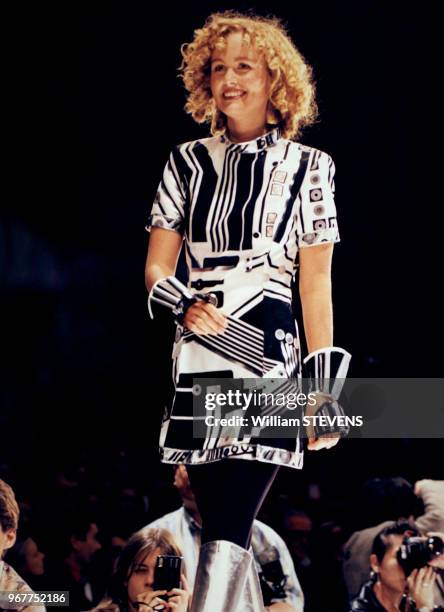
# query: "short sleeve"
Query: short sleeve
{"points": [[316, 220], [168, 209]]}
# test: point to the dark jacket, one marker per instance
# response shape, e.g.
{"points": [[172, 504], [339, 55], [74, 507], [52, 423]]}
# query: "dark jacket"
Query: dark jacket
{"points": [[366, 601]]}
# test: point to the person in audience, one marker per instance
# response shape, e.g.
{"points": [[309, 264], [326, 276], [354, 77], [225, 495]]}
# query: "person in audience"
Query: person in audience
{"points": [[71, 569], [131, 586], [29, 561], [389, 588], [397, 499], [10, 580]]}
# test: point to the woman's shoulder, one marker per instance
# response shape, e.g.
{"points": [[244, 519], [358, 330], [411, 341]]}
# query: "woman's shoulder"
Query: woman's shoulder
{"points": [[307, 148]]}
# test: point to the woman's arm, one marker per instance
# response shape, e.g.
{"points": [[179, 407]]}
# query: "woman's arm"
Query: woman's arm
{"points": [[163, 252], [161, 262], [315, 293], [432, 494]]}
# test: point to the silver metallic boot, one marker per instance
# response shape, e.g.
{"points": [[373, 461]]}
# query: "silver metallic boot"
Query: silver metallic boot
{"points": [[251, 599], [221, 577]]}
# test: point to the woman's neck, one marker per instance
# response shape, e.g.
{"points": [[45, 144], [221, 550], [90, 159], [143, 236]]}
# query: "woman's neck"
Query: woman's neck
{"points": [[243, 132], [388, 598]]}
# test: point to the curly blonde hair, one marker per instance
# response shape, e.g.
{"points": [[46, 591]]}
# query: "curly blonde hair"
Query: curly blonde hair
{"points": [[292, 102]]}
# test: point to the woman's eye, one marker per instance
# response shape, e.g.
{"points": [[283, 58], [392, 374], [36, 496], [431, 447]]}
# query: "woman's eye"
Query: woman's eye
{"points": [[217, 68], [243, 66]]}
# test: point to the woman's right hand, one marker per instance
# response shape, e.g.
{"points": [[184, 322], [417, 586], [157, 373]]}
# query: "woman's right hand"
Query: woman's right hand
{"points": [[150, 600], [204, 318], [420, 586]]}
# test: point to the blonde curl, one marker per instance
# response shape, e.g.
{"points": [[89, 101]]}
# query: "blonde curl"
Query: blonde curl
{"points": [[292, 103]]}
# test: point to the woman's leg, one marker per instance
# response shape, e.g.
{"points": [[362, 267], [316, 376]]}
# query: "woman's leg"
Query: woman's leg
{"points": [[229, 494]]}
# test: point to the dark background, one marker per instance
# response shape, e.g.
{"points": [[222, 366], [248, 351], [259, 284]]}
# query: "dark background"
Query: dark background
{"points": [[95, 107]]}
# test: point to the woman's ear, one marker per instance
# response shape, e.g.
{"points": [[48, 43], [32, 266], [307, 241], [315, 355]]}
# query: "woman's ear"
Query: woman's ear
{"points": [[271, 118], [374, 564], [11, 536]]}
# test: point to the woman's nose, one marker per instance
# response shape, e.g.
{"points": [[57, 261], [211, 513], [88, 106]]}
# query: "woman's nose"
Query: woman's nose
{"points": [[230, 76], [149, 580]]}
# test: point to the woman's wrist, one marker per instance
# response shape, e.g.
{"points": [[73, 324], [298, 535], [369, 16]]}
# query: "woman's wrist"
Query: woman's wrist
{"points": [[173, 295], [414, 608]]}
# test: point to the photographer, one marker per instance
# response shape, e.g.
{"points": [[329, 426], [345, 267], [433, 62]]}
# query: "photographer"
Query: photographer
{"points": [[131, 586], [403, 573], [382, 502]]}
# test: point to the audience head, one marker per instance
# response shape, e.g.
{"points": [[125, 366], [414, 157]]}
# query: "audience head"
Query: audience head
{"points": [[383, 559], [26, 557], [134, 571], [80, 539], [388, 499], [9, 517], [182, 482], [298, 530]]}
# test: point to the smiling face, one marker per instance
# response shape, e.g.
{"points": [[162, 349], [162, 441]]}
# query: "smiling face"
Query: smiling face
{"points": [[142, 576], [240, 81]]}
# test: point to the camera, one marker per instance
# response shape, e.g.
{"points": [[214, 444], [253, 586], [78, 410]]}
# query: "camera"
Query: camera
{"points": [[271, 577], [416, 552], [167, 573]]}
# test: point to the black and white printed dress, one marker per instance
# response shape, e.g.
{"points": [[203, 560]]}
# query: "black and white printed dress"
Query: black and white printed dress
{"points": [[244, 210]]}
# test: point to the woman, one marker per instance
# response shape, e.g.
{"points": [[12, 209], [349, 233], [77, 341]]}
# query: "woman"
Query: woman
{"points": [[389, 588], [131, 585], [247, 203]]}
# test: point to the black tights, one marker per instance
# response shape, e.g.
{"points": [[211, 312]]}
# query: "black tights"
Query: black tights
{"points": [[229, 494]]}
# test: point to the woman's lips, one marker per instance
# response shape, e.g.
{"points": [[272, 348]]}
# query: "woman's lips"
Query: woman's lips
{"points": [[233, 95]]}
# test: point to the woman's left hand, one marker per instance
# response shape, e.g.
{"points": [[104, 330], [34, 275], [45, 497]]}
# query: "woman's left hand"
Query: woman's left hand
{"points": [[178, 599]]}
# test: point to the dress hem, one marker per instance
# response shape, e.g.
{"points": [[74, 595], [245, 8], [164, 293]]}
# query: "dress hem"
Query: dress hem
{"points": [[250, 452]]}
